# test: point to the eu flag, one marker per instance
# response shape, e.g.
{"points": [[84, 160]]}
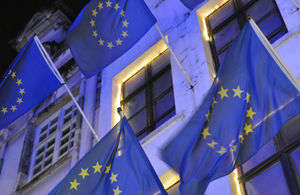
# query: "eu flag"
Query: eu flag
{"points": [[28, 82], [249, 101], [116, 165], [104, 30]]}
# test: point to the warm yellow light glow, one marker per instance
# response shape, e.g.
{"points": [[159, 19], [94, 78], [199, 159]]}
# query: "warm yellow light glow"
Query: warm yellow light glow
{"points": [[237, 184], [205, 31]]}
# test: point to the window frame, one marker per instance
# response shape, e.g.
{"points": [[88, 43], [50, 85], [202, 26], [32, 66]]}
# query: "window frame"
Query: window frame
{"points": [[149, 97]]}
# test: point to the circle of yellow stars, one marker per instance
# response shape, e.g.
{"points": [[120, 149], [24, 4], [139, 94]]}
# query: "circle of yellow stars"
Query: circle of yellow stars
{"points": [[112, 43], [97, 169], [21, 92], [223, 93]]}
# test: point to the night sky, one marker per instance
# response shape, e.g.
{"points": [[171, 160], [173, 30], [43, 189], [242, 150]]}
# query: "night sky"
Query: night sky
{"points": [[15, 14]]}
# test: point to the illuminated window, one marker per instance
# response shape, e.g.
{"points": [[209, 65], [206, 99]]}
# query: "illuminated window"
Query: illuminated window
{"points": [[148, 99], [54, 139], [275, 168], [225, 23]]}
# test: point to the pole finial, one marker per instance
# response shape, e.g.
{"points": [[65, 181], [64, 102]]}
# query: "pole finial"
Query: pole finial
{"points": [[120, 111]]}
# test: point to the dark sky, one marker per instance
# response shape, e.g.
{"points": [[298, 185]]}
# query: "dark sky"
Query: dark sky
{"points": [[14, 15]]}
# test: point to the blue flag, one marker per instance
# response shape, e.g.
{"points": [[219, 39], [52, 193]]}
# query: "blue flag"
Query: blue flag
{"points": [[28, 82], [249, 101], [104, 30], [116, 165], [191, 4]]}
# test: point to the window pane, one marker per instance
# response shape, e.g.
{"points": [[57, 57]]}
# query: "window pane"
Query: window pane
{"points": [[164, 104], [222, 56], [165, 118], [295, 155], [290, 131], [259, 9], [270, 182], [221, 14], [270, 24], [266, 151], [226, 34], [162, 83], [134, 82], [139, 121], [134, 104], [161, 62], [244, 2]]}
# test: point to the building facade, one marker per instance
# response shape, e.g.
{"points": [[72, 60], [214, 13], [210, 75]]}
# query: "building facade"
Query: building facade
{"points": [[38, 149]]}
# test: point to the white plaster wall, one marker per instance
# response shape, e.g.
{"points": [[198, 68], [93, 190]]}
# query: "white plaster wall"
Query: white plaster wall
{"points": [[10, 167]]}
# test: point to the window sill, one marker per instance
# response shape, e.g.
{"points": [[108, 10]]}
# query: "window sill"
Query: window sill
{"points": [[161, 129]]}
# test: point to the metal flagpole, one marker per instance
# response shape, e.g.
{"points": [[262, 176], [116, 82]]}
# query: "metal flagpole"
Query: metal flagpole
{"points": [[176, 59], [58, 75]]}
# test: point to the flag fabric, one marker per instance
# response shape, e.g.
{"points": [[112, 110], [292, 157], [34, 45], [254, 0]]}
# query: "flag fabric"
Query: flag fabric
{"points": [[116, 165], [191, 4], [28, 81], [104, 30], [249, 101]]}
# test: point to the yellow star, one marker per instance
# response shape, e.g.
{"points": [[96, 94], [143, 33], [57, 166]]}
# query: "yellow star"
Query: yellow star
{"points": [[13, 108], [110, 45], [95, 34], [13, 75], [19, 82], [233, 148], [107, 170], [248, 128], [74, 184], [113, 177], [20, 100], [212, 144], [222, 150], [108, 3], [94, 12], [117, 6], [92, 22], [223, 92], [250, 113], [205, 132], [124, 34], [207, 115], [4, 110], [117, 191], [84, 173], [237, 92], [122, 13], [97, 168], [214, 102], [22, 91], [119, 41], [100, 5], [247, 98], [241, 138], [101, 42], [125, 23]]}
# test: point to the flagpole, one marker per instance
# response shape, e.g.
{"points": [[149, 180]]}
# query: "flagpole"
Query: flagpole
{"points": [[274, 54], [58, 75], [175, 57]]}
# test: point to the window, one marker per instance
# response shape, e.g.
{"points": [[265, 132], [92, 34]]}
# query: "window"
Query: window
{"points": [[148, 99], [225, 23], [278, 159], [54, 138]]}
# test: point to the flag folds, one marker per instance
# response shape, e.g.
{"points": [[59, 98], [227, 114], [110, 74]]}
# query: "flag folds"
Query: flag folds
{"points": [[28, 82], [116, 165], [249, 101], [104, 30]]}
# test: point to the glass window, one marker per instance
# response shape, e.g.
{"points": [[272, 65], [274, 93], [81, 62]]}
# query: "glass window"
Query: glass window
{"points": [[148, 98], [270, 182], [55, 137], [225, 23], [295, 155]]}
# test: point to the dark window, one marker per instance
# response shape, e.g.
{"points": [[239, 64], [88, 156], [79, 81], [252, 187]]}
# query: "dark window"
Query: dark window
{"points": [[225, 23], [275, 168], [148, 98]]}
